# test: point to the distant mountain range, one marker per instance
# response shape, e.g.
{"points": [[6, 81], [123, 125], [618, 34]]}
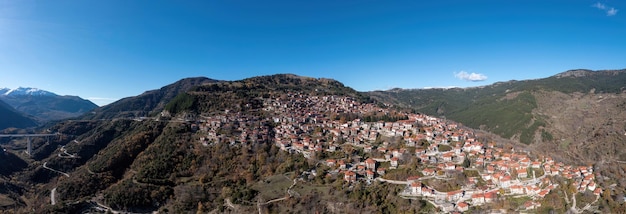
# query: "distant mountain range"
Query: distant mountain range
{"points": [[43, 105], [140, 164]]}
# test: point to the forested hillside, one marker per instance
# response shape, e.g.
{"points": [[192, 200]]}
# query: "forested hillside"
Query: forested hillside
{"points": [[148, 103], [287, 144], [161, 163], [504, 108], [12, 118]]}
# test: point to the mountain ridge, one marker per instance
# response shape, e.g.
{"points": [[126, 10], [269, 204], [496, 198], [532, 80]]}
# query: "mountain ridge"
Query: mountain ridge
{"points": [[127, 159], [223, 143], [467, 105], [587, 72], [11, 118], [148, 103], [28, 91], [568, 73]]}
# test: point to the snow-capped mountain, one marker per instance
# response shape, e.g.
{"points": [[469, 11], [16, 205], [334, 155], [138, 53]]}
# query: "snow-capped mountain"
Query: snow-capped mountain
{"points": [[25, 91], [44, 105]]}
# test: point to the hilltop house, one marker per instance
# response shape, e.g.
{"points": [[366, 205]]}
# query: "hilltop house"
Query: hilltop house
{"points": [[349, 176], [370, 163], [394, 162], [416, 188], [462, 206], [478, 199]]}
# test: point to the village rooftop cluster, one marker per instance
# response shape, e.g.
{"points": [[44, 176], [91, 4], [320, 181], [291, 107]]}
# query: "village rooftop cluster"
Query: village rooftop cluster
{"points": [[311, 125]]}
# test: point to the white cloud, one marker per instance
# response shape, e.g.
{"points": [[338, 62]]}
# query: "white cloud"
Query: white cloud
{"points": [[474, 77], [610, 11], [599, 6]]}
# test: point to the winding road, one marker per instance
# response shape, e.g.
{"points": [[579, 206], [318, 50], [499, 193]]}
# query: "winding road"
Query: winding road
{"points": [[574, 209], [54, 170], [65, 154]]}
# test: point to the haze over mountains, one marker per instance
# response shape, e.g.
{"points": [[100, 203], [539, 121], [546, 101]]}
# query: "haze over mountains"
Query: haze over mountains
{"points": [[205, 145]]}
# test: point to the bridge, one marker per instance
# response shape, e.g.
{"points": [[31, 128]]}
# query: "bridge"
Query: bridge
{"points": [[29, 147]]}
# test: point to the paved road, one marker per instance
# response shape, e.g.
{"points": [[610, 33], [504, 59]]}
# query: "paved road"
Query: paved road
{"points": [[393, 181], [54, 170], [65, 154], [573, 209], [100, 206]]}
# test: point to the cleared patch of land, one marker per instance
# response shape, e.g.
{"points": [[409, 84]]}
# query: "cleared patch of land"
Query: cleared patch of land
{"points": [[273, 187]]}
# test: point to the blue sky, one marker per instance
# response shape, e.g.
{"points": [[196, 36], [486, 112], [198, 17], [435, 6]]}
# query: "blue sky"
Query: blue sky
{"points": [[114, 49]]}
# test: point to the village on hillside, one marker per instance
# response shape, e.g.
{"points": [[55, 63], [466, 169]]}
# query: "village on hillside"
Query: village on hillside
{"points": [[364, 151]]}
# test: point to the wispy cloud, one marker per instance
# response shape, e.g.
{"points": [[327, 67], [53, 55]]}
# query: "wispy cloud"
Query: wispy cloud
{"points": [[599, 6], [610, 11], [474, 77]]}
